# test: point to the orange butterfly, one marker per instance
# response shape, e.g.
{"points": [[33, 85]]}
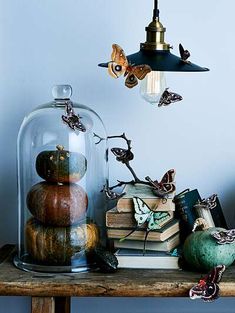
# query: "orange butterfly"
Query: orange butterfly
{"points": [[120, 65]]}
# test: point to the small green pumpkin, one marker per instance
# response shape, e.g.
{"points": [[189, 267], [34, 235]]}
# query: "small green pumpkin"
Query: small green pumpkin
{"points": [[202, 252], [61, 166], [58, 245]]}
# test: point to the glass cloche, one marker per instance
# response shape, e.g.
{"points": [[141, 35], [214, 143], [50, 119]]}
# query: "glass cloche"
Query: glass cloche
{"points": [[62, 169]]}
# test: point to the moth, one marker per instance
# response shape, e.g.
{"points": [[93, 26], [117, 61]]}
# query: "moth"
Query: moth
{"points": [[184, 54], [122, 155], [120, 66], [143, 214], [225, 236], [71, 119], [165, 186], [209, 203], [208, 289], [111, 195], [169, 97]]}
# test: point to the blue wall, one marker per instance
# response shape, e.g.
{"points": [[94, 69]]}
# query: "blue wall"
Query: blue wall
{"points": [[56, 41]]}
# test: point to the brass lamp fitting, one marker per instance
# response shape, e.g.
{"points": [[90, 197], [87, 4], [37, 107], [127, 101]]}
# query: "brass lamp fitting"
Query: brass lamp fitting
{"points": [[155, 38]]}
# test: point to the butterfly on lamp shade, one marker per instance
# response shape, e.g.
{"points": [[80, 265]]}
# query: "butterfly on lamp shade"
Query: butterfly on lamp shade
{"points": [[169, 97], [119, 66], [165, 186], [143, 214], [184, 54], [207, 288]]}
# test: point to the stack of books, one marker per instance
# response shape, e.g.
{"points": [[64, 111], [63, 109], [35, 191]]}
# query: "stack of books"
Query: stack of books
{"points": [[120, 222]]}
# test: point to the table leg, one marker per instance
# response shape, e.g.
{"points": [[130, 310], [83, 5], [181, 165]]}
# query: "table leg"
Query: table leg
{"points": [[62, 304], [43, 305], [51, 304]]}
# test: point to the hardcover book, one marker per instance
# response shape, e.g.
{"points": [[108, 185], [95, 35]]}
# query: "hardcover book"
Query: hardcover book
{"points": [[139, 234], [145, 192], [115, 219], [185, 211], [166, 245], [150, 260]]}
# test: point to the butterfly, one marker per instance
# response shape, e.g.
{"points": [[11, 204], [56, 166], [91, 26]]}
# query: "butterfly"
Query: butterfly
{"points": [[208, 289], [209, 203], [143, 214], [168, 98], [111, 195], [120, 65], [184, 54], [165, 186], [71, 119], [123, 155], [224, 236]]}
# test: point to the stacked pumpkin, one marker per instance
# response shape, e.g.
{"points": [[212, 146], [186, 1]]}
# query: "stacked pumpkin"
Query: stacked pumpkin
{"points": [[57, 232]]}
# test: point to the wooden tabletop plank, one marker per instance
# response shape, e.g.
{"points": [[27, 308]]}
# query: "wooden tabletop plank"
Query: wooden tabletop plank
{"points": [[123, 283]]}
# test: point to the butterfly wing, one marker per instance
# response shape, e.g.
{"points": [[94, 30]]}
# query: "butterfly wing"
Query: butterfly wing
{"points": [[156, 219], [135, 73], [142, 211], [140, 71], [216, 274], [212, 202], [168, 98], [119, 62], [169, 177], [131, 80], [184, 54], [122, 155], [167, 183]]}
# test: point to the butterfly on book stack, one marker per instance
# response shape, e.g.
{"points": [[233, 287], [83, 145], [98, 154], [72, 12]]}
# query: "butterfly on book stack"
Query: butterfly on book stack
{"points": [[190, 206], [142, 226]]}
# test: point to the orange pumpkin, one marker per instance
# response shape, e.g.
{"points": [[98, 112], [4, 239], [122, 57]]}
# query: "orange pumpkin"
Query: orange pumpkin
{"points": [[59, 205], [58, 245]]}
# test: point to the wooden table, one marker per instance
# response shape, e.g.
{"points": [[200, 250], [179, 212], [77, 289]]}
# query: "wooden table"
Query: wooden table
{"points": [[52, 294]]}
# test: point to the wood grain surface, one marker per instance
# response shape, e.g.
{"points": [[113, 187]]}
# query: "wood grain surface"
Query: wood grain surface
{"points": [[123, 283]]}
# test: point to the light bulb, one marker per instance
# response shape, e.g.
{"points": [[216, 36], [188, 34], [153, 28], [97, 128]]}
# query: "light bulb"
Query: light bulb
{"points": [[153, 86]]}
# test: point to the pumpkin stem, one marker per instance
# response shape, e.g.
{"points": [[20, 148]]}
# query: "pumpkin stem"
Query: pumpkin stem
{"points": [[200, 224], [60, 147]]}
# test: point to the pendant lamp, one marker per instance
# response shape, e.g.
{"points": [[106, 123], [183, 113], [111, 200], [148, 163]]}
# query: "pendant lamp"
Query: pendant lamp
{"points": [[156, 53]]}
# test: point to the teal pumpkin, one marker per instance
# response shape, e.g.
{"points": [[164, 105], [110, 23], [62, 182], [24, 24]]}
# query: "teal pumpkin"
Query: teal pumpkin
{"points": [[61, 166], [202, 252]]}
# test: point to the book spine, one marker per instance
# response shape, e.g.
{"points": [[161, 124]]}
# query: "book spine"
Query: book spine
{"points": [[185, 211]]}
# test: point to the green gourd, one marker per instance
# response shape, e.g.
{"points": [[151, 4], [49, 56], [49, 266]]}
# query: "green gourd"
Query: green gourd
{"points": [[202, 252], [61, 166]]}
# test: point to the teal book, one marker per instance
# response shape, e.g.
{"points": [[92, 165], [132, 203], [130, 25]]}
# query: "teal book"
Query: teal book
{"points": [[185, 211]]}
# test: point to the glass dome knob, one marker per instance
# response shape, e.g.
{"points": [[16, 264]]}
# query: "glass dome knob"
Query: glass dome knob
{"points": [[62, 92]]}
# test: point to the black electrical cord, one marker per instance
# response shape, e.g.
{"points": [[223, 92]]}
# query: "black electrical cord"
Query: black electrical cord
{"points": [[156, 10]]}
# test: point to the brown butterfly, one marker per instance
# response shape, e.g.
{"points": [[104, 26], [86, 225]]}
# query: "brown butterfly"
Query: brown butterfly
{"points": [[165, 186], [184, 54], [120, 65], [207, 288]]}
